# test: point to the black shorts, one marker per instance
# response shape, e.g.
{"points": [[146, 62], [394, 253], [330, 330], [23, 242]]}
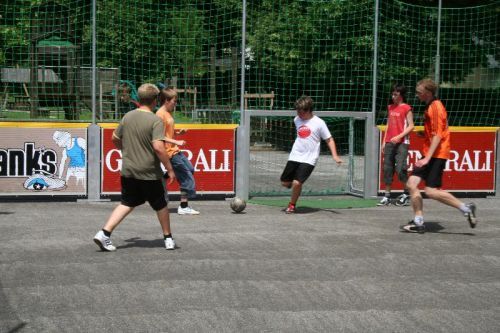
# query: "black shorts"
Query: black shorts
{"points": [[135, 192], [432, 173], [296, 171]]}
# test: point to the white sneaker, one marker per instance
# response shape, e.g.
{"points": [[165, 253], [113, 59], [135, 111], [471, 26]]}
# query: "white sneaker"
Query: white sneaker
{"points": [[169, 243], [104, 242], [384, 202], [403, 200], [187, 211]]}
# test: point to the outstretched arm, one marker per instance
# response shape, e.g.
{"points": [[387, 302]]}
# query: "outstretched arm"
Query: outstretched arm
{"points": [[175, 142]]}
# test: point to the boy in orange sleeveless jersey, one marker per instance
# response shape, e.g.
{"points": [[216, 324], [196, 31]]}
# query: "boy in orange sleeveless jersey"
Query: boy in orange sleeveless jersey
{"points": [[435, 152]]}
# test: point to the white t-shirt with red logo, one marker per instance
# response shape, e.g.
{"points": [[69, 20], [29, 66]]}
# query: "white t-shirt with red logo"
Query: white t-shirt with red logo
{"points": [[310, 132]]}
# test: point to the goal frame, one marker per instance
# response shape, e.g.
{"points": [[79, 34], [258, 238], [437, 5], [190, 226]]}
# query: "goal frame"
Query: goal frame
{"points": [[371, 165]]}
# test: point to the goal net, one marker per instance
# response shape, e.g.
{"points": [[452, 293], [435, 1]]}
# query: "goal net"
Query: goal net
{"points": [[272, 135]]}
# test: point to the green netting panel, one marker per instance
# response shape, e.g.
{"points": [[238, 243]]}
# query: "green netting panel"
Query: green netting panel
{"points": [[323, 48], [192, 45], [469, 58], [43, 46], [272, 139], [319, 48]]}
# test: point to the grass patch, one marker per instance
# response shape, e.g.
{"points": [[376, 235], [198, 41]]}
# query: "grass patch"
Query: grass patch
{"points": [[318, 203]]}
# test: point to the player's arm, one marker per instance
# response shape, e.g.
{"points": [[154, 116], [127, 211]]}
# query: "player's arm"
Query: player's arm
{"points": [[159, 148], [181, 131], [333, 149], [386, 130], [175, 142], [435, 140], [116, 140]]}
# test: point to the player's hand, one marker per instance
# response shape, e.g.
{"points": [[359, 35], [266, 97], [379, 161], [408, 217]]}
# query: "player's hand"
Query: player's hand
{"points": [[169, 176], [182, 131], [181, 142], [395, 139], [338, 160], [422, 162]]}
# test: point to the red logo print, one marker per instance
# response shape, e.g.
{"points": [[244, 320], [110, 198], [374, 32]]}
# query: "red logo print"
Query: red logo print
{"points": [[304, 132]]}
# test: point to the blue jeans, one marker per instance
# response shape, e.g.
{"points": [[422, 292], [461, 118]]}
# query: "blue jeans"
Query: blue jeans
{"points": [[184, 171]]}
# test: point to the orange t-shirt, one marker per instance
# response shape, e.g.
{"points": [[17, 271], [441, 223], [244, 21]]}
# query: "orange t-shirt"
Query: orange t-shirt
{"points": [[168, 121], [436, 123]]}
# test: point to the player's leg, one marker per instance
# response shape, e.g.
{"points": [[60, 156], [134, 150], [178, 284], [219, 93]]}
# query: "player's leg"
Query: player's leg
{"points": [[154, 191], [296, 190], [417, 224], [302, 173], [184, 171], [288, 174], [433, 191], [389, 160], [131, 198], [401, 167]]}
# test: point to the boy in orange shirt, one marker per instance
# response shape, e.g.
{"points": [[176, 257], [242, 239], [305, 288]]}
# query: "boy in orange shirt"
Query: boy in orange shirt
{"points": [[435, 152], [182, 166]]}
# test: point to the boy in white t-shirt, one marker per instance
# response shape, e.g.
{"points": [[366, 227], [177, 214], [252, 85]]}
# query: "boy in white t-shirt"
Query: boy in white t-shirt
{"points": [[306, 148]]}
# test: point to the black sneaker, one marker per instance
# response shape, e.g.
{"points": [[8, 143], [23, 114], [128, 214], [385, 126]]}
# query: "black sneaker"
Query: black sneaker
{"points": [[412, 227], [403, 200], [471, 216]]}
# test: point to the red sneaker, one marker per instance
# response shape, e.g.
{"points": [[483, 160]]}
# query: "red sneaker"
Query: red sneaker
{"points": [[290, 209]]}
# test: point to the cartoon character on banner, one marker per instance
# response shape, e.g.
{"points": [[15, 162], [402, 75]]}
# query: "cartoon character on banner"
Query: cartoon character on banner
{"points": [[74, 150], [73, 153]]}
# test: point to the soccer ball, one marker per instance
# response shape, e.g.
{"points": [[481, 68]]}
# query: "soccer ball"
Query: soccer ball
{"points": [[238, 205]]}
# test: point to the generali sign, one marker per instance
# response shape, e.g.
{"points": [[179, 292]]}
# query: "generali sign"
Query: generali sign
{"points": [[209, 148], [471, 167]]}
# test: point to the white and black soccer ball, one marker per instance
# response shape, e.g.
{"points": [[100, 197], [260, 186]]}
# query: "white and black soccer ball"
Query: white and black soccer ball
{"points": [[238, 205]]}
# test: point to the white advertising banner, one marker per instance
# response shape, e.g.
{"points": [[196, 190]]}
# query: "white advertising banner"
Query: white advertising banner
{"points": [[43, 159]]}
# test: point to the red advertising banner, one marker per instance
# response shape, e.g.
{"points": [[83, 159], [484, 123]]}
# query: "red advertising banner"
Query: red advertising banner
{"points": [[210, 148], [471, 167]]}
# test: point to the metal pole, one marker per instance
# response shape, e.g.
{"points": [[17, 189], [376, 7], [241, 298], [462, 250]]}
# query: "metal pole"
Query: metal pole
{"points": [[94, 61], [438, 41], [94, 131], [243, 132], [371, 145]]}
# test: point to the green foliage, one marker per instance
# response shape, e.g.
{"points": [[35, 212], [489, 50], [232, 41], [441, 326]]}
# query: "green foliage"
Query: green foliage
{"points": [[323, 48]]}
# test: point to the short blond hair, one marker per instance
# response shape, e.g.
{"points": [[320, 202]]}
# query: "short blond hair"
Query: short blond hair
{"points": [[167, 94], [305, 103], [428, 85], [148, 93]]}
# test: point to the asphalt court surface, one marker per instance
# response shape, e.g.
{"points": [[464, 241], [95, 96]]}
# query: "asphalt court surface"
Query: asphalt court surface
{"points": [[345, 270]]}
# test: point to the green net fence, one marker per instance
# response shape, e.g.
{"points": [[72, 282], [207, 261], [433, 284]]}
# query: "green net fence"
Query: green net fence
{"points": [[321, 48], [468, 58], [345, 54]]}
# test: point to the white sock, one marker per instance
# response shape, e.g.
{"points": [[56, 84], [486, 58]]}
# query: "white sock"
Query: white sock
{"points": [[419, 220], [464, 209]]}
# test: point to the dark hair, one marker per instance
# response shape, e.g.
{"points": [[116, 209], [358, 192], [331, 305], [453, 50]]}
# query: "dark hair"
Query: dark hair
{"points": [[401, 89], [304, 103]]}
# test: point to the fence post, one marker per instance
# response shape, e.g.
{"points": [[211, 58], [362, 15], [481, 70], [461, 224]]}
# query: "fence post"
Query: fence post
{"points": [[243, 133]]}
